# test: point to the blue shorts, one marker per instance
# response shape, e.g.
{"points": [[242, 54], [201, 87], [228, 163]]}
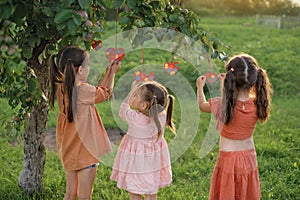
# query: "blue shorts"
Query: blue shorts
{"points": [[91, 166]]}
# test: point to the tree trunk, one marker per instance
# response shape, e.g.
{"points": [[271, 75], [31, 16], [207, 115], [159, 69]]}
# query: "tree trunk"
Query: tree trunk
{"points": [[30, 179]]}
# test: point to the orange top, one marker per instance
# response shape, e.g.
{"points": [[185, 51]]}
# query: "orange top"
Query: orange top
{"points": [[243, 122], [82, 142]]}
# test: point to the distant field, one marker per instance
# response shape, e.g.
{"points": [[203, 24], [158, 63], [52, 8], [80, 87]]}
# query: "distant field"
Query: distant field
{"points": [[277, 142]]}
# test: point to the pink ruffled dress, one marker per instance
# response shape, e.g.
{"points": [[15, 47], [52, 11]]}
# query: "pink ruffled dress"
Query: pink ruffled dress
{"points": [[142, 164]]}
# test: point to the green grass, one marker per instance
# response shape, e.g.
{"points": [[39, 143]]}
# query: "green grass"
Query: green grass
{"points": [[277, 142]]}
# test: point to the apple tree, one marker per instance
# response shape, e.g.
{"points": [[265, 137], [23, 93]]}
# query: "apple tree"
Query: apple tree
{"points": [[32, 30]]}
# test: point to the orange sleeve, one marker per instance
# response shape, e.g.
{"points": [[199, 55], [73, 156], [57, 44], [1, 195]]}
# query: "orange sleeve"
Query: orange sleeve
{"points": [[102, 94], [216, 109], [89, 94]]}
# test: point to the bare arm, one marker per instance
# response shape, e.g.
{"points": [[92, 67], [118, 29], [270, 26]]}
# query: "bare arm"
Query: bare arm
{"points": [[201, 99], [109, 76], [134, 86]]}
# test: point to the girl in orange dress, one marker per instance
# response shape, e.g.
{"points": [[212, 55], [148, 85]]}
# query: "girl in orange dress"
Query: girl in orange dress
{"points": [[80, 135], [142, 164], [246, 98]]}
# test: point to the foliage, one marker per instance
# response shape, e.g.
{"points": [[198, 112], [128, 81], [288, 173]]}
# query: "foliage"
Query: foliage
{"points": [[30, 32], [168, 16], [36, 29]]}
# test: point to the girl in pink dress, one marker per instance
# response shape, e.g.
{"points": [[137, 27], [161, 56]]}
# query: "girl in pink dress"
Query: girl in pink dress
{"points": [[142, 164]]}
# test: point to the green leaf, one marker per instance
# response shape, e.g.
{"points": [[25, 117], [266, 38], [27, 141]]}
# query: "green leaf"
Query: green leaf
{"points": [[118, 3], [32, 85], [69, 2], [108, 3], [20, 12], [84, 4], [77, 19], [63, 15], [6, 10], [72, 27], [173, 17], [131, 3], [124, 20], [47, 11]]}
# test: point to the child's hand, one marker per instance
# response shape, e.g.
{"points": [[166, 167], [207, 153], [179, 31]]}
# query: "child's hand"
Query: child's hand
{"points": [[221, 76], [201, 81], [134, 85], [115, 67]]}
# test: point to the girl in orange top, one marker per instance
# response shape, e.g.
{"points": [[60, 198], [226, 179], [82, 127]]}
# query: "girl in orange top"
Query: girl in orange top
{"points": [[80, 135], [246, 98]]}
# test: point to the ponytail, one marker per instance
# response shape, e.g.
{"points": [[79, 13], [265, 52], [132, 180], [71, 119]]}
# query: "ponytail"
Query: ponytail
{"points": [[55, 76], [69, 81], [229, 98], [156, 95], [156, 108], [263, 95], [170, 109], [154, 111]]}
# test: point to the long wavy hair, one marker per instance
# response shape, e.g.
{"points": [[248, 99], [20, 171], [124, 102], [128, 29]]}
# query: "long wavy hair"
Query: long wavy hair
{"points": [[243, 72]]}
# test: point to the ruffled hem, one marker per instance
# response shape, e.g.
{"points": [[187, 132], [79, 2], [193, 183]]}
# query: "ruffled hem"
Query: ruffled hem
{"points": [[137, 157], [142, 167], [143, 183], [235, 176]]}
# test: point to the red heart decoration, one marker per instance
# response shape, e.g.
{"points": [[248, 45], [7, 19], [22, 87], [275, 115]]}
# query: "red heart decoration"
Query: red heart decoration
{"points": [[172, 68], [112, 54], [211, 77], [96, 44], [120, 58], [141, 76], [150, 77]]}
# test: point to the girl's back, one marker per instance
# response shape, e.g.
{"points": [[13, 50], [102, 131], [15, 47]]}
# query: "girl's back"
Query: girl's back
{"points": [[140, 126]]}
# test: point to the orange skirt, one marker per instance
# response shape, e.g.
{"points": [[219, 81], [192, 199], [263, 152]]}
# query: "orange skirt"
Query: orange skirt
{"points": [[235, 176]]}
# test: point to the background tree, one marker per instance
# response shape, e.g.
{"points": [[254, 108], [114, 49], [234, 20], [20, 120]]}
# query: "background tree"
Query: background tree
{"points": [[31, 31]]}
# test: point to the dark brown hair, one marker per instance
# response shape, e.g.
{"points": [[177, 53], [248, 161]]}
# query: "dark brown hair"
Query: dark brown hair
{"points": [[158, 99], [55, 76], [63, 71], [243, 72]]}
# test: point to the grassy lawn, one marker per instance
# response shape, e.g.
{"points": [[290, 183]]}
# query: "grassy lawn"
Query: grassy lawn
{"points": [[277, 142]]}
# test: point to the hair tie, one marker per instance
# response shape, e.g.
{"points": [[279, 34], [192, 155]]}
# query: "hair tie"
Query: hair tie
{"points": [[232, 69], [154, 96]]}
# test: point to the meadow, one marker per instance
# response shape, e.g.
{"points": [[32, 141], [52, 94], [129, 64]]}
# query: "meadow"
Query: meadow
{"points": [[277, 141]]}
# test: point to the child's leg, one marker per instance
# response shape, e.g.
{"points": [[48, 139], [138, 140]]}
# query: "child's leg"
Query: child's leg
{"points": [[135, 196], [86, 179], [71, 185], [150, 197]]}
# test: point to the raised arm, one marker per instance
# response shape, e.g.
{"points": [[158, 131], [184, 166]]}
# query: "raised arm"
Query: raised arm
{"points": [[134, 86], [109, 76], [202, 103], [125, 112]]}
